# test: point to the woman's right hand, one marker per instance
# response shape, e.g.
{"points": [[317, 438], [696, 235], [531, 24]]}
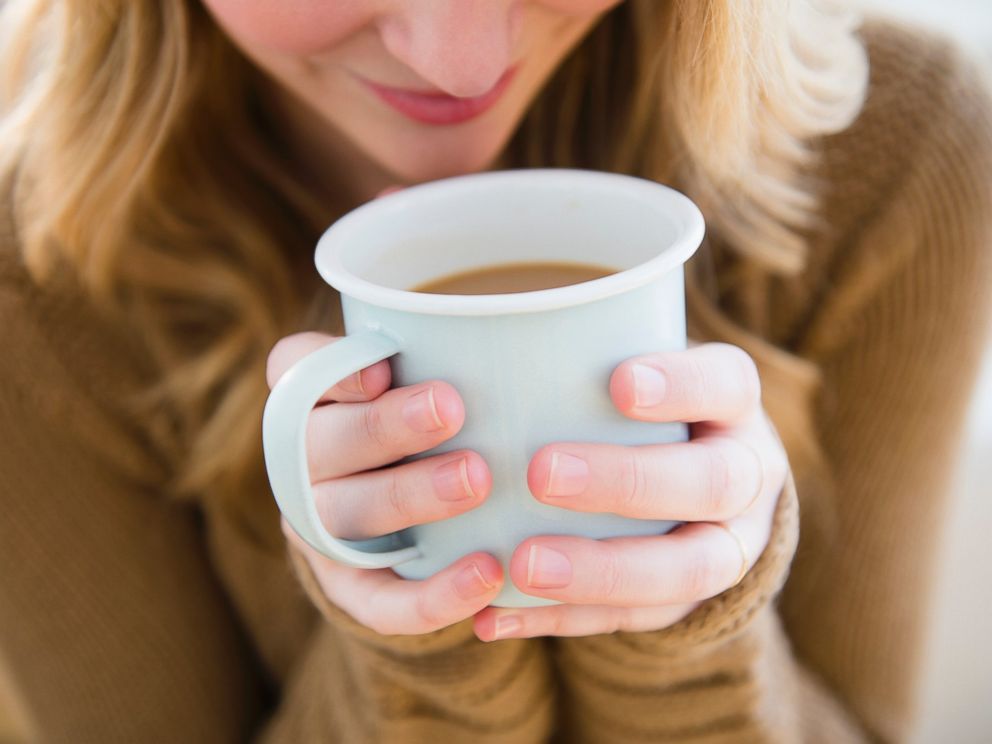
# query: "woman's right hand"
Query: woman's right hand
{"points": [[359, 426]]}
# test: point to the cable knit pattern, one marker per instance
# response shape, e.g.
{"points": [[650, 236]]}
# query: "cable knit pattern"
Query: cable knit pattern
{"points": [[129, 617]]}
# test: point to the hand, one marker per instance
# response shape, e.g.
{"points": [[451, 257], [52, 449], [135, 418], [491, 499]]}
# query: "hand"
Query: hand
{"points": [[359, 426], [730, 473]]}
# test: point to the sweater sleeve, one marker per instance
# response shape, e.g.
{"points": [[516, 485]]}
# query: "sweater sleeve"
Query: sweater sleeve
{"points": [[113, 627], [898, 342]]}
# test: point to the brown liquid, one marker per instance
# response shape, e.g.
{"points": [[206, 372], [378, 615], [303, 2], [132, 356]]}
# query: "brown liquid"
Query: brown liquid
{"points": [[515, 277]]}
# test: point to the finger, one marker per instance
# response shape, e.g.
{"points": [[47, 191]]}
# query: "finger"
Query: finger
{"points": [[710, 478], [378, 502], [345, 439], [366, 384], [694, 562], [494, 623], [389, 605], [710, 382]]}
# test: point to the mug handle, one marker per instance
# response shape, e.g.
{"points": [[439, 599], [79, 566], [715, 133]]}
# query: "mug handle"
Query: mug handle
{"points": [[284, 431]]}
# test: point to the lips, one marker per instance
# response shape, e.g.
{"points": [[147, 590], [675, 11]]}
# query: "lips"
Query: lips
{"points": [[440, 109]]}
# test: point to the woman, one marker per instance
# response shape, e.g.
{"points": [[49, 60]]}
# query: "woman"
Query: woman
{"points": [[167, 168]]}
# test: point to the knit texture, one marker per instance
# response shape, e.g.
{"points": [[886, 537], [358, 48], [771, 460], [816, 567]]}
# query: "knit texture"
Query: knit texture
{"points": [[129, 617]]}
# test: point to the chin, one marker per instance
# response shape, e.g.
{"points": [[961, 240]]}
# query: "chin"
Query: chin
{"points": [[416, 162]]}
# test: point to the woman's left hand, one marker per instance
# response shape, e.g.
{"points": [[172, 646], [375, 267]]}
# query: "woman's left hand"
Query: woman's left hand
{"points": [[724, 482]]}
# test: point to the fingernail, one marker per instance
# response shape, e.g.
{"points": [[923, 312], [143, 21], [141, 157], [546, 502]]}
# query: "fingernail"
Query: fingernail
{"points": [[649, 385], [420, 412], [507, 625], [547, 568], [451, 481], [470, 583], [353, 383], [568, 476]]}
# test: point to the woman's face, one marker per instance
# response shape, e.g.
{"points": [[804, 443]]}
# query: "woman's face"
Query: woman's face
{"points": [[420, 89]]}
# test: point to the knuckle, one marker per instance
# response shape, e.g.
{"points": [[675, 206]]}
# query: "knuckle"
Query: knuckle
{"points": [[718, 480], [694, 386], [278, 360], [427, 612], [613, 579], [778, 467], [327, 505], [555, 625], [698, 577], [364, 613], [632, 492], [396, 502], [747, 375], [287, 350], [372, 427]]}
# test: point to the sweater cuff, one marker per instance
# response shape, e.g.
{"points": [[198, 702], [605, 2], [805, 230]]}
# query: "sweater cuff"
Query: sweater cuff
{"points": [[442, 640], [725, 616]]}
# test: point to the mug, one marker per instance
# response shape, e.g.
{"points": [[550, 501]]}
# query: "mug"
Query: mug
{"points": [[532, 368]]}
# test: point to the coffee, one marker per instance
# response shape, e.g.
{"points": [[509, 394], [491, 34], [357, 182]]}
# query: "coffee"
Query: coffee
{"points": [[509, 278]]}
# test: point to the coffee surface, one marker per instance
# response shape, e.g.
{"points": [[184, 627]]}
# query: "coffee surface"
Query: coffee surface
{"points": [[515, 277]]}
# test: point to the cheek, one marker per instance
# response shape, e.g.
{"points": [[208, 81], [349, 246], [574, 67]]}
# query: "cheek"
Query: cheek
{"points": [[579, 7], [290, 26]]}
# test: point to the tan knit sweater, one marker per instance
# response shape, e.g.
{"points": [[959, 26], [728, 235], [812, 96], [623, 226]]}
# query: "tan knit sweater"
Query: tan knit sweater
{"points": [[128, 617]]}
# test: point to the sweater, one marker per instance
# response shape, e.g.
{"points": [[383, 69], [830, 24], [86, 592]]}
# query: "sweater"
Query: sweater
{"points": [[126, 616]]}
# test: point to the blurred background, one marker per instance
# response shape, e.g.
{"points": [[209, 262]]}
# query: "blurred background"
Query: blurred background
{"points": [[957, 687]]}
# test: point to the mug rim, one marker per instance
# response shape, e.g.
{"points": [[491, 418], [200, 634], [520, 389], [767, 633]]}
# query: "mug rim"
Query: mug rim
{"points": [[334, 240]]}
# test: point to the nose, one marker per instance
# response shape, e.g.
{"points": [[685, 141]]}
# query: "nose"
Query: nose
{"points": [[462, 47]]}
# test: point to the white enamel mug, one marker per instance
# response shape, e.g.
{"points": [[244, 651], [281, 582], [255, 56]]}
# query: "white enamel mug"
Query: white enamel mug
{"points": [[532, 368]]}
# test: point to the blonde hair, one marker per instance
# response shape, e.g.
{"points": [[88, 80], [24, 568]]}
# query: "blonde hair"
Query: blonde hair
{"points": [[137, 154]]}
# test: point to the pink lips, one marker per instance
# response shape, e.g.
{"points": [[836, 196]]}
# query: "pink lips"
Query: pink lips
{"points": [[440, 108]]}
